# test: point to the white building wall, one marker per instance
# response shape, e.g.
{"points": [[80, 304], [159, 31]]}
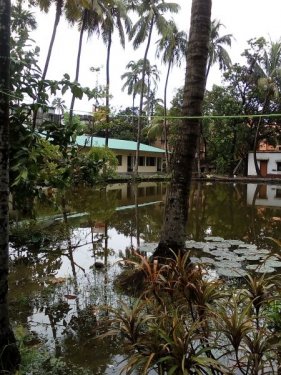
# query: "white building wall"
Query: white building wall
{"points": [[142, 168], [124, 166], [272, 157]]}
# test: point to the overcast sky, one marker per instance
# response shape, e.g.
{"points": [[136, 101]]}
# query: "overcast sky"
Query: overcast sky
{"points": [[244, 19]]}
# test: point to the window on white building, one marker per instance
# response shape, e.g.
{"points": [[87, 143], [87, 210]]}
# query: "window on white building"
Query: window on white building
{"points": [[278, 165], [150, 161], [278, 193], [141, 161]]}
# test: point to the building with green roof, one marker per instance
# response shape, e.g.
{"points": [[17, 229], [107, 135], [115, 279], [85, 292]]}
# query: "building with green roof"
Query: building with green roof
{"points": [[151, 159]]}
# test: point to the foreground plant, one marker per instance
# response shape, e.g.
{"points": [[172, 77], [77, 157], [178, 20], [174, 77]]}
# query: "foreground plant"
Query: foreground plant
{"points": [[184, 323]]}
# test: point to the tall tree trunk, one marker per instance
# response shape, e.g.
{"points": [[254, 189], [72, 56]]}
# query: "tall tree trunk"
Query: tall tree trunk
{"points": [[133, 115], [107, 89], [165, 118], [148, 111], [78, 62], [9, 354], [257, 136], [173, 234], [136, 166], [59, 4], [257, 168]]}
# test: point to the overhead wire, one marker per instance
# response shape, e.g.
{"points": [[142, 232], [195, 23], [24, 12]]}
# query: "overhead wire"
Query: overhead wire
{"points": [[202, 117]]}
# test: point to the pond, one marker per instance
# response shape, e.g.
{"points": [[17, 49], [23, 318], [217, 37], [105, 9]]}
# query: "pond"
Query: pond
{"points": [[63, 266]]}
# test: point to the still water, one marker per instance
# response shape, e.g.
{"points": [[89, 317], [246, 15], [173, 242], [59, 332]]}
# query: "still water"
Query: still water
{"points": [[63, 266]]}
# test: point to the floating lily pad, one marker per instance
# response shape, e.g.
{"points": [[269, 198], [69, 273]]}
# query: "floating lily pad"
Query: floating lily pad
{"points": [[273, 263], [248, 246], [260, 269], [265, 269], [195, 245], [263, 251], [252, 267], [230, 272], [207, 249], [221, 253], [272, 257], [239, 251], [214, 239], [223, 245], [202, 260], [253, 258], [207, 260], [235, 242], [227, 263], [195, 260]]}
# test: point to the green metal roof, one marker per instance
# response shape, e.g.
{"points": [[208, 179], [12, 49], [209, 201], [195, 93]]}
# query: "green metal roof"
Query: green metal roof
{"points": [[115, 144]]}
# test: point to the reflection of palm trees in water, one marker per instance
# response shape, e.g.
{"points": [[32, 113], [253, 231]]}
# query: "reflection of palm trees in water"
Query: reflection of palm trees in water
{"points": [[137, 215], [58, 311]]}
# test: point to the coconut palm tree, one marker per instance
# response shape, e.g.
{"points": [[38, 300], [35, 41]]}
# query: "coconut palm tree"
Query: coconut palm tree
{"points": [[151, 15], [268, 71], [9, 354], [132, 79], [217, 52], [88, 16], [113, 20], [23, 21], [152, 77], [45, 6], [60, 107], [172, 46], [132, 82], [173, 234], [151, 104]]}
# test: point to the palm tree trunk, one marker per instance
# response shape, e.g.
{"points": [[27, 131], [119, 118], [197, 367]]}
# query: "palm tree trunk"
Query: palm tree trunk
{"points": [[78, 62], [173, 234], [9, 354], [148, 111], [198, 152], [257, 168], [257, 135], [133, 114], [59, 4], [165, 117], [136, 166], [107, 89]]}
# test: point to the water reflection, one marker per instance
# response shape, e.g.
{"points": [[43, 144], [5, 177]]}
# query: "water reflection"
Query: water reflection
{"points": [[264, 195], [228, 211], [66, 263]]}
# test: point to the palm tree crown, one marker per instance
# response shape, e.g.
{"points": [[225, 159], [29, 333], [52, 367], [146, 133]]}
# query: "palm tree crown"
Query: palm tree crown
{"points": [[173, 46], [217, 52], [151, 13]]}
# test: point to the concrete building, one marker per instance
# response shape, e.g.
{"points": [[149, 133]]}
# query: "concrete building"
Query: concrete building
{"points": [[151, 159], [268, 158]]}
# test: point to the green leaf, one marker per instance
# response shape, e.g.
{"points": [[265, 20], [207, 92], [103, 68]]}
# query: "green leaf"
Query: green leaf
{"points": [[172, 370], [77, 92], [64, 89]]}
